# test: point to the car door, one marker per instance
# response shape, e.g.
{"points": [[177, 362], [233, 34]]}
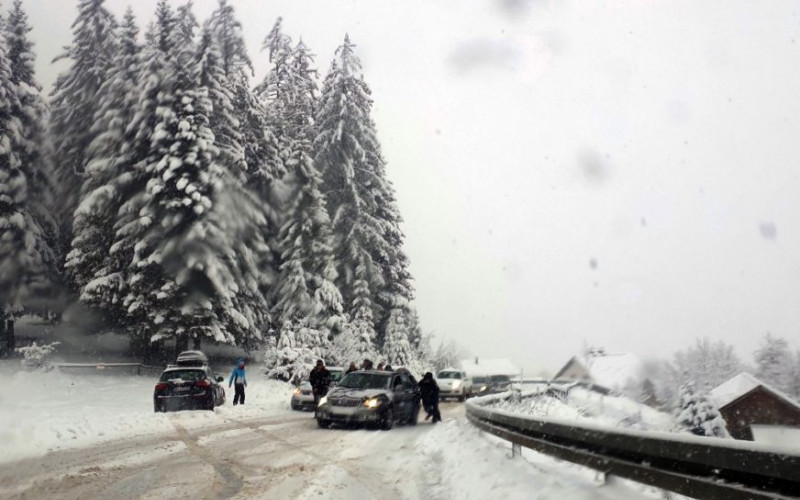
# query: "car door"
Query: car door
{"points": [[400, 396]]}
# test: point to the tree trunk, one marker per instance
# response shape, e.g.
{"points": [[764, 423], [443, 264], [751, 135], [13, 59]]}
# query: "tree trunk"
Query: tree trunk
{"points": [[7, 335], [181, 344], [196, 343]]}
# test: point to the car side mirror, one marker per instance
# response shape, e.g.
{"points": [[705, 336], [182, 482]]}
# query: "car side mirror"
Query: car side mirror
{"points": [[220, 379]]}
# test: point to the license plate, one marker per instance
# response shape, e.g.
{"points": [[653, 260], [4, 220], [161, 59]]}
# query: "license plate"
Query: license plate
{"points": [[182, 389]]}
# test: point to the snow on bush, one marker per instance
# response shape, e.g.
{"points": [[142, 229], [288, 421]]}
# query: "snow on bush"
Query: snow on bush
{"points": [[35, 356], [698, 414]]}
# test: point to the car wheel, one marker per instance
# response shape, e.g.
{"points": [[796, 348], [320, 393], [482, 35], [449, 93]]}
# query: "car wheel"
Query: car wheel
{"points": [[323, 424], [461, 398], [388, 419]]}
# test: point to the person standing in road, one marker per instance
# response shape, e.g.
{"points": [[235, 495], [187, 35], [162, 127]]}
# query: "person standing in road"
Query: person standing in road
{"points": [[366, 365], [320, 379], [351, 368], [239, 381], [429, 391]]}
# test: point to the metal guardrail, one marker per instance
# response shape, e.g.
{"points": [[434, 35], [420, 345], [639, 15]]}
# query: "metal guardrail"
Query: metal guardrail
{"points": [[703, 468]]}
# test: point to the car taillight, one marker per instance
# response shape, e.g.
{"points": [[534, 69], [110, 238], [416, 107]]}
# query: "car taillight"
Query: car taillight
{"points": [[161, 386], [202, 383]]}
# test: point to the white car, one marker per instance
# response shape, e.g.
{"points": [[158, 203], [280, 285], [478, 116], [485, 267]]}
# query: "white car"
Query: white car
{"points": [[454, 384]]}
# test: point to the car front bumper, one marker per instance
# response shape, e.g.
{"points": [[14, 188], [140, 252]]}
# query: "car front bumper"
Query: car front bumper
{"points": [[343, 414]]}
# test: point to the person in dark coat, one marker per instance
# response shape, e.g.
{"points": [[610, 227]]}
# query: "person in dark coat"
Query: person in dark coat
{"points": [[320, 379], [366, 365], [351, 368], [429, 392], [239, 381]]}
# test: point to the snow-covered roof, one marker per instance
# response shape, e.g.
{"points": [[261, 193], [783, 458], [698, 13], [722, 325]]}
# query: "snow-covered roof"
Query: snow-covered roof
{"points": [[489, 366], [614, 371], [736, 387], [609, 370]]}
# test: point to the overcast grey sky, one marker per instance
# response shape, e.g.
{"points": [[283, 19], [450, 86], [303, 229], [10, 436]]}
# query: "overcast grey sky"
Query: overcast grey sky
{"points": [[624, 173]]}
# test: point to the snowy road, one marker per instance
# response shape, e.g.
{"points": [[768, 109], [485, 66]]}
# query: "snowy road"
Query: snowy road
{"points": [[277, 457], [287, 456]]}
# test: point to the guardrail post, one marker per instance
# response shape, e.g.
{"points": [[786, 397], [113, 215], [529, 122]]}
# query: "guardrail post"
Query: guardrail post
{"points": [[516, 451]]}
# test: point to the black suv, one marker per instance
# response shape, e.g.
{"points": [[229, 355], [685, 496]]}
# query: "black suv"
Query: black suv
{"points": [[188, 385], [371, 397]]}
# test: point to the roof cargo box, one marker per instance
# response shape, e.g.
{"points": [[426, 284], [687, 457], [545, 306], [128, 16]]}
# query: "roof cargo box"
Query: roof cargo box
{"points": [[192, 358]]}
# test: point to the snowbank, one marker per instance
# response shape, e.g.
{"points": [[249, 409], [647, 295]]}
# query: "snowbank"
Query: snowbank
{"points": [[461, 462], [589, 406], [44, 412]]}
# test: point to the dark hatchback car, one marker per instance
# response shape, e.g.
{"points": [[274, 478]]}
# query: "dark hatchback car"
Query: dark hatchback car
{"points": [[188, 387], [371, 397]]}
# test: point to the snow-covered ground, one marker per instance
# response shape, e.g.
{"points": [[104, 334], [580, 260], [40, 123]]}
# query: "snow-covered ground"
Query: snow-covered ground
{"points": [[44, 412], [97, 436]]}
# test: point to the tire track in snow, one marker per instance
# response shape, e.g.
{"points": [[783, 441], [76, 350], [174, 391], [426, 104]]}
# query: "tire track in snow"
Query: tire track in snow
{"points": [[372, 481], [231, 481]]}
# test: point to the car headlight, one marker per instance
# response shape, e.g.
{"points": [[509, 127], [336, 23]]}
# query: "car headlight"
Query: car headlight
{"points": [[456, 384], [323, 401], [297, 392], [372, 402]]}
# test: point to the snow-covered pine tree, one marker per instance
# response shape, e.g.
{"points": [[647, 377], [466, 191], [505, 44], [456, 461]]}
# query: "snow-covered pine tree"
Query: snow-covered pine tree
{"points": [[361, 204], [774, 362], [107, 180], [75, 98], [27, 260], [698, 414], [305, 291], [294, 359], [397, 349], [247, 149], [185, 277], [32, 114]]}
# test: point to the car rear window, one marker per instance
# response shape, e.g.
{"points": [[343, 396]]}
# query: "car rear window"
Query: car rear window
{"points": [[456, 375], [183, 375]]}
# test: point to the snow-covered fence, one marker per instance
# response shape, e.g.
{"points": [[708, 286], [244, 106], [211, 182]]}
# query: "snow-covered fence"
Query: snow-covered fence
{"points": [[110, 368], [700, 467]]}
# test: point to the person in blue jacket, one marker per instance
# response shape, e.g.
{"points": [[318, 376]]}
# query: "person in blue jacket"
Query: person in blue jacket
{"points": [[239, 381]]}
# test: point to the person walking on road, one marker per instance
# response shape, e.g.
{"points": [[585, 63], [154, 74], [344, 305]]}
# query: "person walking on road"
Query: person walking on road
{"points": [[239, 381], [320, 379], [429, 391]]}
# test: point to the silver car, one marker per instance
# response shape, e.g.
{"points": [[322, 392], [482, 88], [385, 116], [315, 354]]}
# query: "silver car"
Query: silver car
{"points": [[303, 397], [371, 397]]}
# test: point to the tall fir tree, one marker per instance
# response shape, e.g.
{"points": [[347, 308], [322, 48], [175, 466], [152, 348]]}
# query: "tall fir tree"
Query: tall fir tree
{"points": [[107, 179], [248, 149], [28, 263], [75, 98], [23, 246], [368, 241], [177, 233]]}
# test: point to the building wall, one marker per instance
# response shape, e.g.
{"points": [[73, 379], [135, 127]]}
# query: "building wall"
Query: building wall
{"points": [[758, 407]]}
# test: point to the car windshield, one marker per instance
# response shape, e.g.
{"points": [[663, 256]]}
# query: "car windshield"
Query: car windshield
{"points": [[336, 375], [500, 378], [359, 380], [456, 375], [183, 375], [478, 380]]}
